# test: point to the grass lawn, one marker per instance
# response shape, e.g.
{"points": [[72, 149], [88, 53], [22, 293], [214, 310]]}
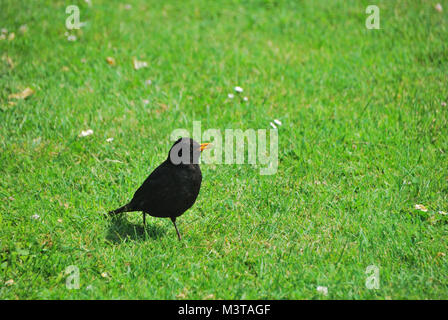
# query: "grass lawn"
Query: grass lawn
{"points": [[364, 138]]}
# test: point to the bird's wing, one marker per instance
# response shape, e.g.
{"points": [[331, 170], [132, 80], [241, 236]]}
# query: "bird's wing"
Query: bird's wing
{"points": [[154, 189]]}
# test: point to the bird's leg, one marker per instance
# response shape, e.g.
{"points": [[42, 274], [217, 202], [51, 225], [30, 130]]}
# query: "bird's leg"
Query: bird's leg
{"points": [[174, 222], [144, 219]]}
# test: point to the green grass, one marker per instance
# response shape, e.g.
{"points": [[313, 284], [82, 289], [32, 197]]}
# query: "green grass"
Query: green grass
{"points": [[364, 139]]}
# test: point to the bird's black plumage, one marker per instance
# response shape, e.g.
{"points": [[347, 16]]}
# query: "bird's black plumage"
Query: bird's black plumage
{"points": [[172, 188]]}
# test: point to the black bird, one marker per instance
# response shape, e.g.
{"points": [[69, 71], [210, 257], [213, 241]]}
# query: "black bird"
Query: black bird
{"points": [[172, 188]]}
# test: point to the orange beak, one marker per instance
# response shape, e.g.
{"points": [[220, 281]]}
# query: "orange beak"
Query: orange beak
{"points": [[204, 146]]}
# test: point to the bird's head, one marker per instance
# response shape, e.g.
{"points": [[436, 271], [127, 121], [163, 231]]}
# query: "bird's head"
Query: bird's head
{"points": [[186, 151]]}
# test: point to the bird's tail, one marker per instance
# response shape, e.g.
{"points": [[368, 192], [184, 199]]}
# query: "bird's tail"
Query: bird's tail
{"points": [[124, 208]]}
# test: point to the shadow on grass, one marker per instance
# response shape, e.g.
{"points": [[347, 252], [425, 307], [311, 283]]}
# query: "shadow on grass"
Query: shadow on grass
{"points": [[121, 230]]}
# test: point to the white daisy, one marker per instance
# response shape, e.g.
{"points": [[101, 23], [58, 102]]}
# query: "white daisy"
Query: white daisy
{"points": [[323, 290], [238, 89], [86, 133], [278, 122], [230, 95]]}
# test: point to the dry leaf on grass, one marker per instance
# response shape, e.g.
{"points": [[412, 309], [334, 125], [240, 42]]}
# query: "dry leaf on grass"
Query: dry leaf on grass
{"points": [[110, 61], [22, 95], [421, 207], [183, 294], [112, 160], [10, 282], [8, 61], [23, 28], [162, 109]]}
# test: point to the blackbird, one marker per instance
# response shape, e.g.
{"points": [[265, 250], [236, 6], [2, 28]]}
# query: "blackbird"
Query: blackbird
{"points": [[172, 188]]}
